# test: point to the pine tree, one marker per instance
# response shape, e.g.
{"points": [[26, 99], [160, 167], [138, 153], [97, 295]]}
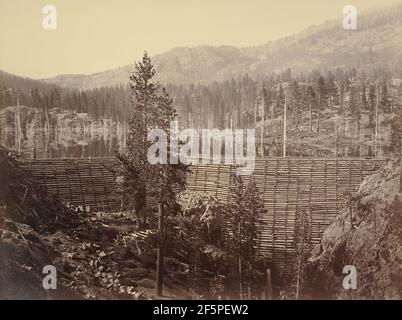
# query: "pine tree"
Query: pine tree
{"points": [[243, 216], [311, 101], [396, 134], [332, 89], [302, 241], [354, 107], [322, 93], [363, 96], [135, 164], [295, 100], [266, 95], [385, 102], [279, 102], [151, 108], [341, 98], [371, 106]]}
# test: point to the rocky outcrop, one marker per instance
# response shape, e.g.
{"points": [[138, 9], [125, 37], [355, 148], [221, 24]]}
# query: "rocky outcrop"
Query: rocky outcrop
{"points": [[366, 235]]}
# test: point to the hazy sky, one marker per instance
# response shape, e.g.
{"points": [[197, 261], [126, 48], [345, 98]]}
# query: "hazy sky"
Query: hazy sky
{"points": [[96, 35]]}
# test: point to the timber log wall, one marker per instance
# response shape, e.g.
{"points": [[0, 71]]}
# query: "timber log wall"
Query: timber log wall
{"points": [[287, 185], [80, 182]]}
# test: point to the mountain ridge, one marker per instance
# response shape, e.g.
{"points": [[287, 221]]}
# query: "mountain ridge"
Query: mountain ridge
{"points": [[377, 43]]}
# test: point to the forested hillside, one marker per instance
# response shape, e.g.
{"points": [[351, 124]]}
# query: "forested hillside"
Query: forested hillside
{"points": [[100, 102], [326, 113]]}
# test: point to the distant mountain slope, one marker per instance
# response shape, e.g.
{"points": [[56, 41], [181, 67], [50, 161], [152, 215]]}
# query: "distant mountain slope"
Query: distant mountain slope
{"points": [[376, 43], [179, 65], [8, 80]]}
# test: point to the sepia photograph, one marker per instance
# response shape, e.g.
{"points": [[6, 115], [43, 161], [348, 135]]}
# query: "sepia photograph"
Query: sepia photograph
{"points": [[229, 151]]}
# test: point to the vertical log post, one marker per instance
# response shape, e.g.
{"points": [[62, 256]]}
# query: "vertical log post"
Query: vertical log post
{"points": [[159, 261], [284, 127], [268, 285], [336, 140], [350, 210], [239, 266]]}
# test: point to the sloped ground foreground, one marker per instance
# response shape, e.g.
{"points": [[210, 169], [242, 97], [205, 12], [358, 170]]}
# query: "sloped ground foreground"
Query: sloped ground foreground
{"points": [[96, 255]]}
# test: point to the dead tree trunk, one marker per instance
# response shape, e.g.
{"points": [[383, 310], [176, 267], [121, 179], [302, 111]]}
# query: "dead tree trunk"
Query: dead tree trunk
{"points": [[284, 128], [262, 131], [318, 114], [336, 140], [376, 113]]}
